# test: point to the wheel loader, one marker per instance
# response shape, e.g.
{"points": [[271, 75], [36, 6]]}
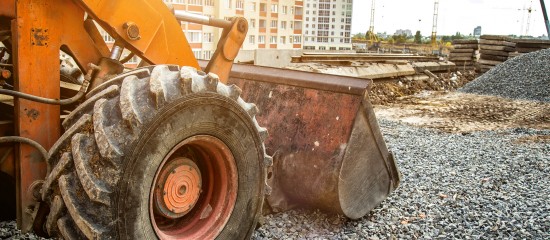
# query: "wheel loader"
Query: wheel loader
{"points": [[175, 148]]}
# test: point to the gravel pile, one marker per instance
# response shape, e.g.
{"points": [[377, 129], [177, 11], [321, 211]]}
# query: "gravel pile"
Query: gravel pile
{"points": [[488, 185], [523, 77]]}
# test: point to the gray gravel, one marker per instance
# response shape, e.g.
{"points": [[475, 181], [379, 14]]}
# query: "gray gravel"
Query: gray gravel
{"points": [[483, 185], [524, 77]]}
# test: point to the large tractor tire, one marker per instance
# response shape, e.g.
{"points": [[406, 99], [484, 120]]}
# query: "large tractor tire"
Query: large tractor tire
{"points": [[168, 153]]}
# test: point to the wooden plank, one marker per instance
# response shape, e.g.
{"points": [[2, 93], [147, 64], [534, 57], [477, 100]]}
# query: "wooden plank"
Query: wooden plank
{"points": [[466, 46], [493, 57], [495, 42], [496, 37], [527, 50], [497, 48], [460, 58], [489, 62], [463, 50], [494, 53], [465, 41], [454, 54]]}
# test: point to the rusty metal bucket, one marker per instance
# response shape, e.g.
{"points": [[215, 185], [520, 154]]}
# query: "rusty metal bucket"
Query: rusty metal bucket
{"points": [[327, 148]]}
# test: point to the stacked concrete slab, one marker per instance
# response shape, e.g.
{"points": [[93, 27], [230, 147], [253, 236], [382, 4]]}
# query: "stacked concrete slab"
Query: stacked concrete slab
{"points": [[494, 50], [464, 53], [529, 45]]}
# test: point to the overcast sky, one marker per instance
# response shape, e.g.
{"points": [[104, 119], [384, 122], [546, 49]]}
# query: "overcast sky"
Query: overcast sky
{"points": [[494, 16]]}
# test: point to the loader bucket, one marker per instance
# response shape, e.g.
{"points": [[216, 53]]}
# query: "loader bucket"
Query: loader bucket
{"points": [[327, 148]]}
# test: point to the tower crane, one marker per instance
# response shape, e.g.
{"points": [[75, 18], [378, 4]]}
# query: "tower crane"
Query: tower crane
{"points": [[434, 26], [371, 35]]}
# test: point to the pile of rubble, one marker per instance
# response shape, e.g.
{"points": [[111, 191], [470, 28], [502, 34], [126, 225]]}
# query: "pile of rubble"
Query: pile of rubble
{"points": [[494, 50], [388, 92], [524, 77]]}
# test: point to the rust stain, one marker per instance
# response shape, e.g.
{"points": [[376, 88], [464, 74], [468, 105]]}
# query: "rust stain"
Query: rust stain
{"points": [[40, 37], [33, 114]]}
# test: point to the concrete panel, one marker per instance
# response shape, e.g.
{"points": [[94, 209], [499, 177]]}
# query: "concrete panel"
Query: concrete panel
{"points": [[275, 57]]}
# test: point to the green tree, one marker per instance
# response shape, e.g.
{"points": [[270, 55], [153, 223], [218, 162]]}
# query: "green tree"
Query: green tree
{"points": [[359, 36], [402, 38], [418, 37]]}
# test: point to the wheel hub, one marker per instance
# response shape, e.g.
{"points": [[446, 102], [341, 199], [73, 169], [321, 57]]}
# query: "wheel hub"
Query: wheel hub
{"points": [[178, 188]]}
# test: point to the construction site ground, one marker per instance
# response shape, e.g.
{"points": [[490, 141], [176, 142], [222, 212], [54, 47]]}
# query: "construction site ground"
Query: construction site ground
{"points": [[458, 112]]}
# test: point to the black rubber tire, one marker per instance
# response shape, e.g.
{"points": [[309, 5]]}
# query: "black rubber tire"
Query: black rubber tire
{"points": [[102, 168]]}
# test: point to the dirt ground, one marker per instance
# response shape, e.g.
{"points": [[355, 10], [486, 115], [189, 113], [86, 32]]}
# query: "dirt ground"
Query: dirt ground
{"points": [[462, 113]]}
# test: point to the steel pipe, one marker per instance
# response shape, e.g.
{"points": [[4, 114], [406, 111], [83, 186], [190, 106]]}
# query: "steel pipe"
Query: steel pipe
{"points": [[200, 19]]}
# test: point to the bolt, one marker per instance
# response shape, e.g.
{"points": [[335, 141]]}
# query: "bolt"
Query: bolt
{"points": [[242, 26], [132, 30]]}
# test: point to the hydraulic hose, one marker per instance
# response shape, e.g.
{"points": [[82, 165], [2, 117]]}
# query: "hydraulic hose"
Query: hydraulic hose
{"points": [[12, 139], [78, 96]]}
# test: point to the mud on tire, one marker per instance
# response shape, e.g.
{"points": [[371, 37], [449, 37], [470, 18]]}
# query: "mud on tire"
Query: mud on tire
{"points": [[100, 172]]}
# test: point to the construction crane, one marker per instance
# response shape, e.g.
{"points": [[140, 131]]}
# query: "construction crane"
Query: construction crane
{"points": [[434, 27], [528, 24], [371, 35], [545, 15]]}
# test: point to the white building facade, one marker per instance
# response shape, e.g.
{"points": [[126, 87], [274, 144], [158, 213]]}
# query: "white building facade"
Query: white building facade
{"points": [[327, 24]]}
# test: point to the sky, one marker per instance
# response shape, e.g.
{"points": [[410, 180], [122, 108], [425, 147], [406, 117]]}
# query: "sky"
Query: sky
{"points": [[501, 17]]}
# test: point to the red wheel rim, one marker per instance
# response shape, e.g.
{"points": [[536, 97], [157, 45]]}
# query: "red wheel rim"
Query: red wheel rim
{"points": [[194, 190]]}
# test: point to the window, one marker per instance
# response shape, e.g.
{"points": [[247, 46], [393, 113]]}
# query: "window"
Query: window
{"points": [[206, 55], [253, 23], [274, 8], [240, 4], [273, 39], [197, 53], [107, 38], [273, 23], [263, 7], [285, 9], [208, 37], [262, 23], [261, 39], [309, 47], [283, 24], [297, 39], [193, 37], [253, 6], [194, 2], [252, 39], [283, 40], [322, 48], [209, 2]]}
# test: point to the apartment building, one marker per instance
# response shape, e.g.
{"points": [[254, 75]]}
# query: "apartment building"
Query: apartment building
{"points": [[327, 24], [273, 24]]}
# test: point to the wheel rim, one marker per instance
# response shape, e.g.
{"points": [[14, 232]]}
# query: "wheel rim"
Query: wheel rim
{"points": [[194, 190]]}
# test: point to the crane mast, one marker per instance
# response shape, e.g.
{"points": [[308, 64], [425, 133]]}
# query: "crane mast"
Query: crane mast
{"points": [[370, 34], [434, 26]]}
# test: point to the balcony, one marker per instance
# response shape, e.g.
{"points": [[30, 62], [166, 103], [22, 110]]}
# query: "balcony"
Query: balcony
{"points": [[299, 3], [273, 30], [272, 45], [262, 30], [297, 31], [298, 46]]}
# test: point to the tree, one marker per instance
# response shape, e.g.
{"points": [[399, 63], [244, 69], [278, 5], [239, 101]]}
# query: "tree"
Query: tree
{"points": [[359, 36], [402, 38], [418, 37]]}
